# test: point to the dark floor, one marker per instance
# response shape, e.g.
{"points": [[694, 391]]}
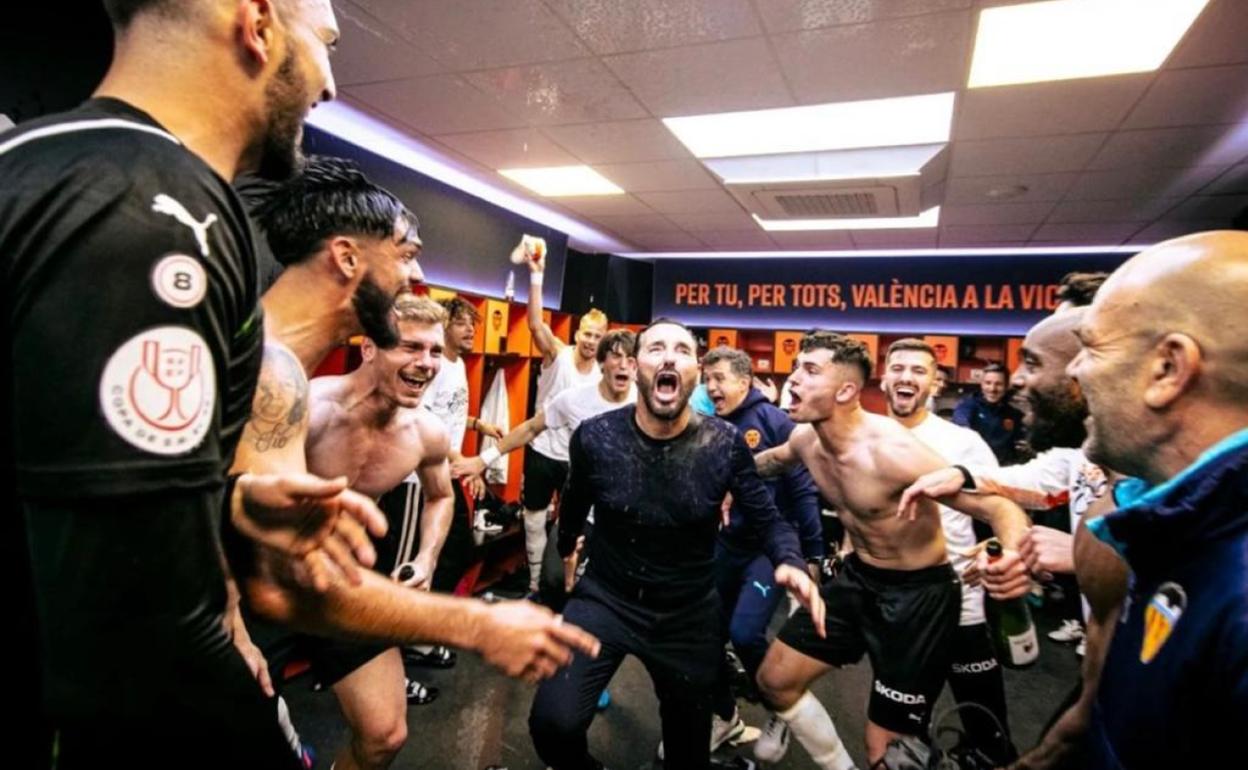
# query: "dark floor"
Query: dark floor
{"points": [[480, 718]]}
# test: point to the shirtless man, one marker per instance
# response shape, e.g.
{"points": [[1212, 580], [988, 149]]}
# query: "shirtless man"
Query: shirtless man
{"points": [[349, 248], [896, 598], [366, 426]]}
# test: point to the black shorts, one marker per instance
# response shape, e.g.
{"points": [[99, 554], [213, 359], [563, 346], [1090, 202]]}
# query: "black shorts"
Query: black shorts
{"points": [[905, 622], [543, 477], [331, 659]]}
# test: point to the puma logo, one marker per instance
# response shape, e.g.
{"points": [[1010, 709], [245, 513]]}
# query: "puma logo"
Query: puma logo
{"points": [[164, 204], [762, 589]]}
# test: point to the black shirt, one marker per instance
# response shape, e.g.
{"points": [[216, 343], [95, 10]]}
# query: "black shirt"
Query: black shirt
{"points": [[120, 246], [136, 344], [657, 504]]}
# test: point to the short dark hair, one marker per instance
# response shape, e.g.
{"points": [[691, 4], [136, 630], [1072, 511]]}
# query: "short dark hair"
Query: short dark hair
{"points": [[910, 343], [457, 306], [1079, 289], [122, 12], [620, 341], [738, 362], [995, 368], [661, 321], [845, 350], [329, 196]]}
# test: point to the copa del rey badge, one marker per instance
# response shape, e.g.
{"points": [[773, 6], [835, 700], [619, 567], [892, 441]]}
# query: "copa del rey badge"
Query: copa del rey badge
{"points": [[1160, 617], [158, 390]]}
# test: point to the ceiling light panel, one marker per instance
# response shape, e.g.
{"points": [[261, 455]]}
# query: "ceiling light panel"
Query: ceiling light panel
{"points": [[1068, 39]]}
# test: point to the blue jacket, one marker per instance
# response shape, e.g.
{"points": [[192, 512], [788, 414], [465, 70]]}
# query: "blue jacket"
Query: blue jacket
{"points": [[1000, 424], [1174, 690], [764, 426]]}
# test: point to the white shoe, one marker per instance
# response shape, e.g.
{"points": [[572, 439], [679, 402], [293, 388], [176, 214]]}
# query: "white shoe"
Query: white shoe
{"points": [[1081, 648], [774, 742], [1070, 631], [722, 731], [481, 525]]}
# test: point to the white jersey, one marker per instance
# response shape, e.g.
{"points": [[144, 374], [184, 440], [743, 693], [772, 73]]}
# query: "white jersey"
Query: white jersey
{"points": [[569, 409], [447, 398], [559, 376], [958, 446]]}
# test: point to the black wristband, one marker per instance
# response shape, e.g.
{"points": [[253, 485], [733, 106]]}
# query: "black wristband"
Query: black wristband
{"points": [[968, 481]]}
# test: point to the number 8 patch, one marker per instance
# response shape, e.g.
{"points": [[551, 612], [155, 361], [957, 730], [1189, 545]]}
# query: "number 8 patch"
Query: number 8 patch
{"points": [[180, 280]]}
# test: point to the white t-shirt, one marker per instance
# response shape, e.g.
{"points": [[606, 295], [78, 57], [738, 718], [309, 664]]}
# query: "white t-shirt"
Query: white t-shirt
{"points": [[447, 398], [958, 446], [569, 409], [559, 376]]}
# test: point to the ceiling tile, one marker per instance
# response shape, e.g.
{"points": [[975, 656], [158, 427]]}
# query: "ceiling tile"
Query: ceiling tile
{"points": [[1121, 210], [438, 104], [717, 77], [1064, 107], [691, 202], [625, 141], [815, 240], [792, 15], [669, 242], [1141, 182], [596, 205], [729, 220], [637, 222], [1190, 146], [513, 148], [1036, 154], [1040, 187], [975, 235], [1166, 229], [659, 175], [609, 26], [480, 34], [1193, 97], [370, 50], [1098, 234], [1235, 180], [579, 91], [1217, 37], [1211, 207], [894, 239], [737, 240], [995, 214], [900, 57]]}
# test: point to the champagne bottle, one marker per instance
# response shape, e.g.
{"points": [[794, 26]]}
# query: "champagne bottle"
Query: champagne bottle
{"points": [[1012, 628], [509, 292]]}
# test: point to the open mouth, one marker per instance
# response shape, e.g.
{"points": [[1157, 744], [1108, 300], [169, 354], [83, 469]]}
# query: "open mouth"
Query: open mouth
{"points": [[905, 392], [667, 386], [414, 381], [795, 399], [622, 380]]}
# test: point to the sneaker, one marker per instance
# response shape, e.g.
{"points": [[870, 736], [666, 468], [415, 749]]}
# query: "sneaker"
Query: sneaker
{"points": [[484, 525], [722, 731], [1070, 631], [438, 657], [773, 744], [1081, 648], [419, 694]]}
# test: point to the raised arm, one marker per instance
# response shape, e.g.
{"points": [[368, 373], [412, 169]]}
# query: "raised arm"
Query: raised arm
{"points": [[547, 343]]}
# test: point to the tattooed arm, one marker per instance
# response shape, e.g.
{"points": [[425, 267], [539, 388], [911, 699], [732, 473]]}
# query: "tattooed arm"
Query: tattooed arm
{"points": [[277, 503]]}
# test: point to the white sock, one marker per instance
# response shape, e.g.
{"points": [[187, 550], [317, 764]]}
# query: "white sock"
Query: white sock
{"points": [[813, 728], [535, 544]]}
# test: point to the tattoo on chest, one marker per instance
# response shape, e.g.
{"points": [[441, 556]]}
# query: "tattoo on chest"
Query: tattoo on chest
{"points": [[280, 407]]}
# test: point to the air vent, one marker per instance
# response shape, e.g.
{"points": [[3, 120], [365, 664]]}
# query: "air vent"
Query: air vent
{"points": [[854, 204]]}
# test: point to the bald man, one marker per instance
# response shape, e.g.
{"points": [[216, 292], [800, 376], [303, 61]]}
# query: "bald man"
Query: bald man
{"points": [[1164, 368]]}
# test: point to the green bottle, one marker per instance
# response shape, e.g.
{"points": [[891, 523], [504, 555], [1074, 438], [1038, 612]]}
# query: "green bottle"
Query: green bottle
{"points": [[1012, 628]]}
